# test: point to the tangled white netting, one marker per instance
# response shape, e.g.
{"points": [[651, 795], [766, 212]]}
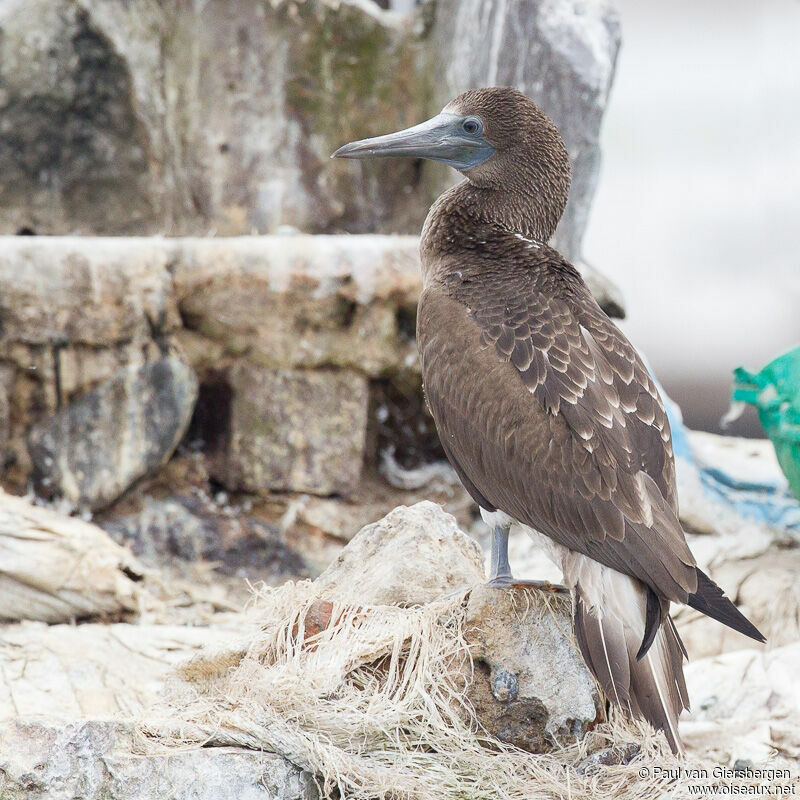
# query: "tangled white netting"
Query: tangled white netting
{"points": [[373, 701]]}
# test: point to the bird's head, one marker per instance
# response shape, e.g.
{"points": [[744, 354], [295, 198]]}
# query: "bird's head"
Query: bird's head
{"points": [[496, 137]]}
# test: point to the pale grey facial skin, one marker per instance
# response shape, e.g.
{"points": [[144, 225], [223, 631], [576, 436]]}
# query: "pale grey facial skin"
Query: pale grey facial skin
{"points": [[453, 139]]}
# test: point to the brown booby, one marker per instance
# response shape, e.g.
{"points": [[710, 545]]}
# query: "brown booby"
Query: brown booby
{"points": [[543, 407]]}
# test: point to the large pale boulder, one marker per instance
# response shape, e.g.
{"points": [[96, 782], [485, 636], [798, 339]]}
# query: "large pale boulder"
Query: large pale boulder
{"points": [[529, 685], [132, 117], [94, 670], [68, 699], [413, 555]]}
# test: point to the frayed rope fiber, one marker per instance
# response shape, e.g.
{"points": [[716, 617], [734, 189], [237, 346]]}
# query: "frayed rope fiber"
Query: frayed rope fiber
{"points": [[372, 700]]}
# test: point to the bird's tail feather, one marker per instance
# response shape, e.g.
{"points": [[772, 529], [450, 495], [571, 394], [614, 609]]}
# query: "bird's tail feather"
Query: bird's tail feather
{"points": [[709, 600], [609, 628]]}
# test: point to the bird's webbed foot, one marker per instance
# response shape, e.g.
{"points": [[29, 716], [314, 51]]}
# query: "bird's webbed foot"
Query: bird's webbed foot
{"points": [[501, 577], [510, 582]]}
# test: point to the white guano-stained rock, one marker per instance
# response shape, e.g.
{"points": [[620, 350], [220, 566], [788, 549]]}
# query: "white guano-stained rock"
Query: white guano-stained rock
{"points": [[529, 685], [71, 291], [745, 705], [137, 117], [301, 301]]}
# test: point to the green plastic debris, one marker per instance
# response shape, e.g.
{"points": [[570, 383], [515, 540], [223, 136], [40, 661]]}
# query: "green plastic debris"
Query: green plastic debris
{"points": [[775, 392]]}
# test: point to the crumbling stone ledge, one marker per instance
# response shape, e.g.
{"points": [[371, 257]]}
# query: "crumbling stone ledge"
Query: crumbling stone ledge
{"points": [[304, 323]]}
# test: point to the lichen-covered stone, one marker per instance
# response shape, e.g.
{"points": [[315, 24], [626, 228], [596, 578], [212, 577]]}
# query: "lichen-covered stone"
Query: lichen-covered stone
{"points": [[93, 449], [290, 430], [138, 117]]}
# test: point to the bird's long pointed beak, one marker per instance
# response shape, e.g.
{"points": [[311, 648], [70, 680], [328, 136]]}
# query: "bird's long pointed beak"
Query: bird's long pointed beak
{"points": [[439, 139]]}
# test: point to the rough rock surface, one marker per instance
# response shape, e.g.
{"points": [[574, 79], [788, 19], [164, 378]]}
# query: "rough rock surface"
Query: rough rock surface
{"points": [[96, 671], [531, 686], [410, 557], [300, 301], [92, 450], [67, 697], [97, 292], [55, 568], [135, 117], [194, 528], [74, 313], [140, 117], [292, 430], [82, 312], [93, 760]]}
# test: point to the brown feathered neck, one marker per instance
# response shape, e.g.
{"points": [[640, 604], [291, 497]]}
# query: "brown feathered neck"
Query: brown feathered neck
{"points": [[521, 189]]}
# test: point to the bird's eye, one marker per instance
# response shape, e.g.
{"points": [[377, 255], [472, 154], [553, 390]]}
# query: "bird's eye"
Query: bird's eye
{"points": [[472, 126]]}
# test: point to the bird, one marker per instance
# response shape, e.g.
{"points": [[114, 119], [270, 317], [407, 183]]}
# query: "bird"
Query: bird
{"points": [[545, 410]]}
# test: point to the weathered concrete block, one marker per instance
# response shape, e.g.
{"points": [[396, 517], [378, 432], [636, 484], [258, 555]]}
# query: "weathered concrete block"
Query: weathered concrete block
{"points": [[291, 430], [95, 292], [301, 301], [92, 450]]}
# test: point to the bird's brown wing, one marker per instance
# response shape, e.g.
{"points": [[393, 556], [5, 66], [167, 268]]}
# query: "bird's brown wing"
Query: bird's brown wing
{"points": [[547, 410]]}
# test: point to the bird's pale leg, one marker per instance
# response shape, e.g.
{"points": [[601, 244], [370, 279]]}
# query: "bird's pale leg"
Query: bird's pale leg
{"points": [[501, 577], [501, 570]]}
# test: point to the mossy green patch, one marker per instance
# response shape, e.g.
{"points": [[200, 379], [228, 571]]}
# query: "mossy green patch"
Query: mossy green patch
{"points": [[350, 75]]}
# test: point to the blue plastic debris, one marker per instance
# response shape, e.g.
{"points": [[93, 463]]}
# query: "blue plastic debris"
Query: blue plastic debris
{"points": [[765, 499]]}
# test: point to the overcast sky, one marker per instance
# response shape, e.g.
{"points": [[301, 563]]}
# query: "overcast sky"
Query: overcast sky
{"points": [[697, 214]]}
